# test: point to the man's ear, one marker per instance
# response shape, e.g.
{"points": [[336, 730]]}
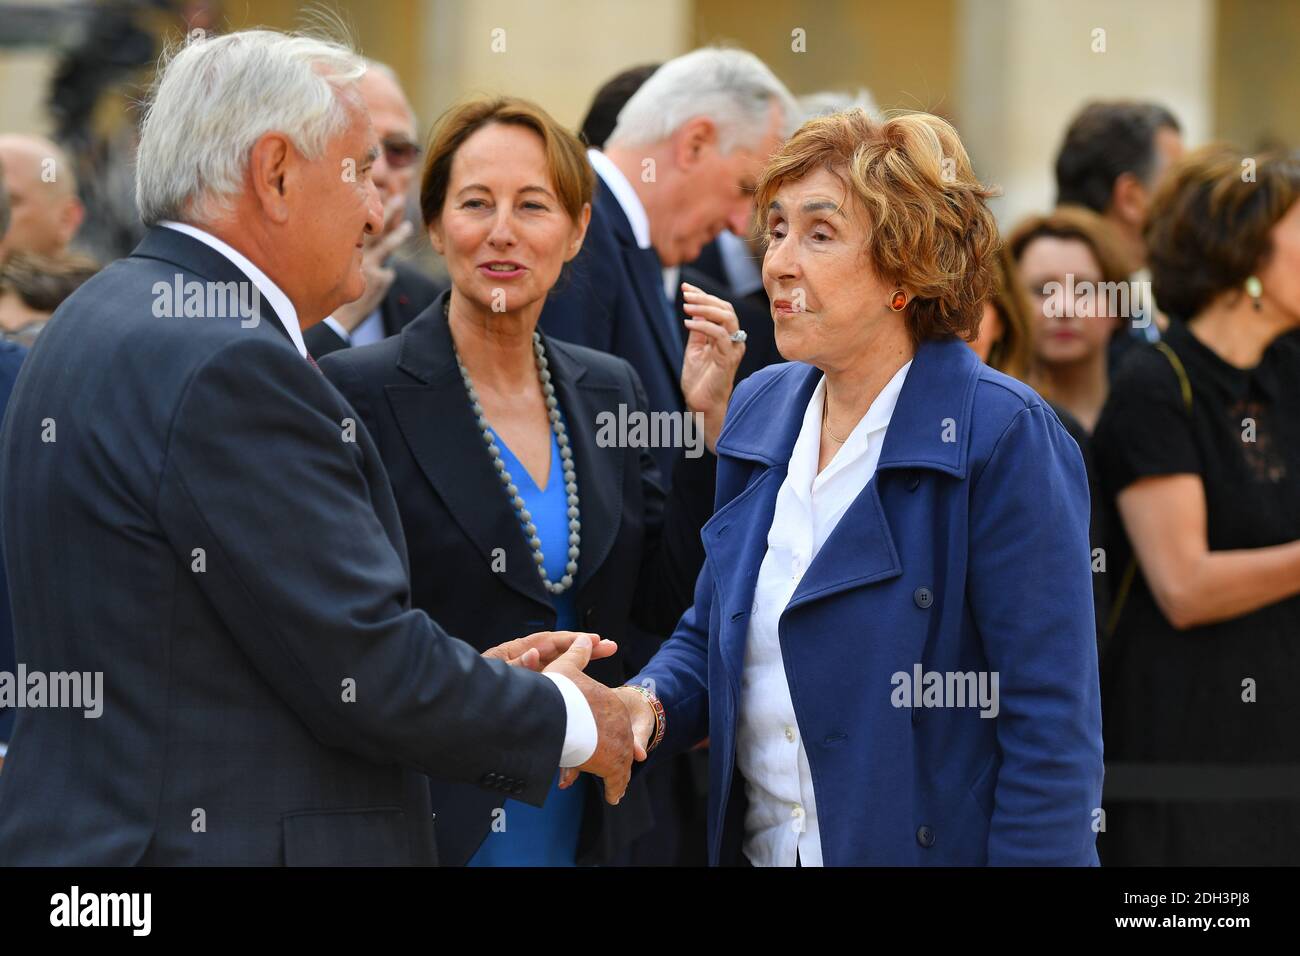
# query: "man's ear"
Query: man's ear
{"points": [[1128, 200], [72, 216], [579, 232], [691, 139], [270, 168]]}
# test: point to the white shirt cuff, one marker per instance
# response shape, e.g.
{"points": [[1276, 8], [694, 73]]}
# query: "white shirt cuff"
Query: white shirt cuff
{"points": [[580, 725], [338, 329]]}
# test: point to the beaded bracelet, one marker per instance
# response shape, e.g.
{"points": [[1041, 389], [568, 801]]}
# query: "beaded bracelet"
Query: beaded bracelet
{"points": [[661, 720]]}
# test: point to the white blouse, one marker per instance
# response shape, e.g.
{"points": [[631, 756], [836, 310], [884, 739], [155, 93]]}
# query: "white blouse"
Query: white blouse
{"points": [[781, 821]]}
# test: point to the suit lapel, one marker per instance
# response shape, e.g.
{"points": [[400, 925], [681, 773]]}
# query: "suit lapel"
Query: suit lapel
{"points": [[647, 280], [200, 260], [599, 470], [439, 428]]}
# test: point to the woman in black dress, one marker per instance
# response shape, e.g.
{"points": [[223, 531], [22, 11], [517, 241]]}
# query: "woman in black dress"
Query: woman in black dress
{"points": [[1198, 450]]}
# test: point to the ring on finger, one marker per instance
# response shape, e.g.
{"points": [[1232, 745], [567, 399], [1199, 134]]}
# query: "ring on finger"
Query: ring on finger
{"points": [[740, 335]]}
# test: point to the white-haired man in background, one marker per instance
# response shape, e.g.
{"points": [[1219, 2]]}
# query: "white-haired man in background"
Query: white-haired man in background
{"points": [[213, 571], [396, 291], [679, 168]]}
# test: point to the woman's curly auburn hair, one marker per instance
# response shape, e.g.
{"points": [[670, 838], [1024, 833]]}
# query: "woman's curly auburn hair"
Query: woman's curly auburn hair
{"points": [[1210, 223], [930, 230]]}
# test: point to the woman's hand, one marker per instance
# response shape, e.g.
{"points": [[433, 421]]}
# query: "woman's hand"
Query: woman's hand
{"points": [[712, 357]]}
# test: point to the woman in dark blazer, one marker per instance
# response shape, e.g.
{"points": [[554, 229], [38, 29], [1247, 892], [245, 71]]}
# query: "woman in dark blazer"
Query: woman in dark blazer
{"points": [[506, 196], [891, 646]]}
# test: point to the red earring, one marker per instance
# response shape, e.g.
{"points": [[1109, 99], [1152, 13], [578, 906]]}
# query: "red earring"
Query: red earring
{"points": [[898, 301]]}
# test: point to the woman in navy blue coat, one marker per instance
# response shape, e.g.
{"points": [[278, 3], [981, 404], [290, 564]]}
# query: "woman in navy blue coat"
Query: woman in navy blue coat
{"points": [[892, 646]]}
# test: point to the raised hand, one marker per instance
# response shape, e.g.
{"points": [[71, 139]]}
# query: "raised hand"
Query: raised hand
{"points": [[538, 651], [712, 357], [379, 277], [615, 747]]}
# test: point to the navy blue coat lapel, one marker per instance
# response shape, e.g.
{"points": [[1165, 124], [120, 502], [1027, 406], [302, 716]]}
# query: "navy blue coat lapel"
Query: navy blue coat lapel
{"points": [[435, 416], [647, 279], [199, 259], [930, 429]]}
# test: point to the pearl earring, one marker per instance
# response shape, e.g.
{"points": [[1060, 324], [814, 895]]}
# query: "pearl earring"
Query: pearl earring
{"points": [[1255, 289]]}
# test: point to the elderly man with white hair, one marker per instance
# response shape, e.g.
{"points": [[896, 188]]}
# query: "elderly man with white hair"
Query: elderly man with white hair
{"points": [[213, 589], [679, 168], [396, 291]]}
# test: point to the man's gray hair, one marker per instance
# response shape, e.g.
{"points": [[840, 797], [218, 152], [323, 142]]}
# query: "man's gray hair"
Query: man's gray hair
{"points": [[826, 102], [215, 98], [733, 88]]}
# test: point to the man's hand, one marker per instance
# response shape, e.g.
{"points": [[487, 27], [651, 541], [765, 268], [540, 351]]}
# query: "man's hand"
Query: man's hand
{"points": [[642, 717], [615, 747], [538, 651], [379, 277]]}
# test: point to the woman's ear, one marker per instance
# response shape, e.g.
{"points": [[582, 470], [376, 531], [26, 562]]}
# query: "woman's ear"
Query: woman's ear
{"points": [[435, 236], [579, 232]]}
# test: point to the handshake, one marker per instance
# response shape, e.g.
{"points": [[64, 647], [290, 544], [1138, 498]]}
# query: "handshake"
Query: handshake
{"points": [[625, 721]]}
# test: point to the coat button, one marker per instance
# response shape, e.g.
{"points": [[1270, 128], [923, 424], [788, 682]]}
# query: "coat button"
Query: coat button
{"points": [[589, 619], [913, 481], [489, 780], [925, 836], [923, 597]]}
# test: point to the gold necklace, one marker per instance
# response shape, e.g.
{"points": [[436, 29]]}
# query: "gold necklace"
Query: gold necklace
{"points": [[825, 425]]}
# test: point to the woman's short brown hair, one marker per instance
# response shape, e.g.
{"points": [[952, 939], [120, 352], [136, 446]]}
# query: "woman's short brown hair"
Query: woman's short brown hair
{"points": [[1208, 229], [930, 230], [1073, 222], [1013, 352], [566, 158]]}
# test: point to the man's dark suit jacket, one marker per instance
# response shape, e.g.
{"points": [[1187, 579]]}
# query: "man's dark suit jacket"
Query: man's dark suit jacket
{"points": [[640, 551], [11, 360], [408, 296], [186, 511], [610, 298]]}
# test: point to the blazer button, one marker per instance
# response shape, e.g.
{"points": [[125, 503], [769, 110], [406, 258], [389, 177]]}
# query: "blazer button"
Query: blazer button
{"points": [[913, 481], [923, 597], [589, 619], [489, 780], [925, 836]]}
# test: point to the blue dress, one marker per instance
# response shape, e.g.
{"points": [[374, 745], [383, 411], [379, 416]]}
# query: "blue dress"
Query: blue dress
{"points": [[546, 835]]}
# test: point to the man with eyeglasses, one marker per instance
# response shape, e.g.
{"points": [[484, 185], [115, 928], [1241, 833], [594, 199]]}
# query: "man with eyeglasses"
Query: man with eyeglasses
{"points": [[396, 292]]}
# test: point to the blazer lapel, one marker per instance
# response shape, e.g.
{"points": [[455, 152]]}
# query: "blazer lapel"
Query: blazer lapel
{"points": [[438, 426], [735, 542], [735, 538], [859, 551], [647, 280], [599, 470], [201, 260]]}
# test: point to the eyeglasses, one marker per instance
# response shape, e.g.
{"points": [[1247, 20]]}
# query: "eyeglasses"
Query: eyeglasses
{"points": [[400, 152]]}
